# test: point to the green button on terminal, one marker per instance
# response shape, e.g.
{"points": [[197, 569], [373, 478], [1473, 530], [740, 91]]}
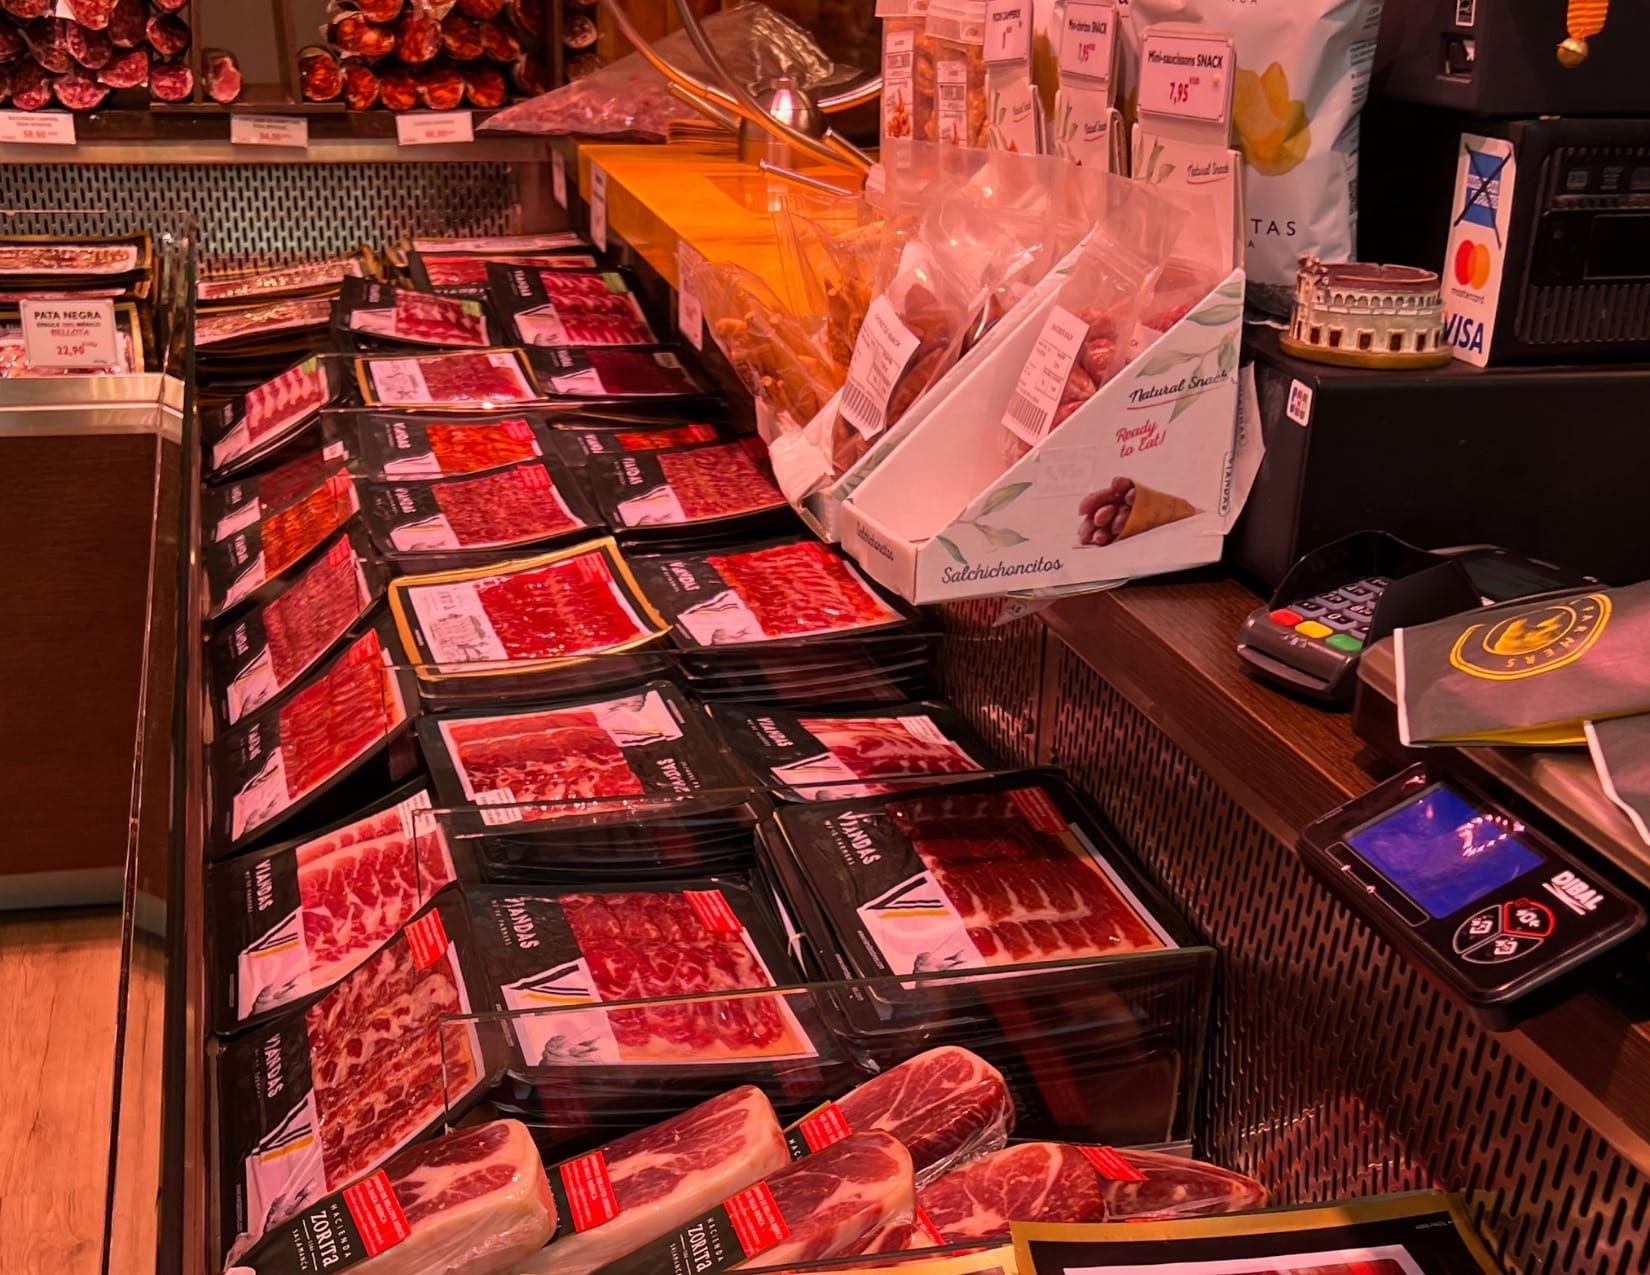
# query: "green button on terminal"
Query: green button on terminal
{"points": [[1344, 642]]}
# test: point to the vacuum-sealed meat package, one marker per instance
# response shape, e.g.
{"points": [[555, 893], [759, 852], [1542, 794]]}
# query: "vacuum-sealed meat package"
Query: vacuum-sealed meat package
{"points": [[562, 307], [57, 261], [583, 437], [440, 446], [310, 276], [269, 416], [240, 566], [598, 375], [465, 273], [233, 506], [241, 326], [532, 503], [709, 488], [375, 314], [479, 379]]}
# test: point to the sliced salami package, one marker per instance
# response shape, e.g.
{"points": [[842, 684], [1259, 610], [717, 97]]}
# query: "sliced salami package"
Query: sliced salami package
{"points": [[588, 435], [705, 490], [374, 315], [223, 331], [627, 376], [566, 307], [269, 417], [999, 872], [318, 1097], [589, 761], [428, 445], [824, 755], [570, 618], [235, 505], [249, 562], [290, 921], [554, 241], [485, 379], [309, 278], [128, 346], [464, 274], [256, 659], [339, 740], [56, 262], [533, 503]]}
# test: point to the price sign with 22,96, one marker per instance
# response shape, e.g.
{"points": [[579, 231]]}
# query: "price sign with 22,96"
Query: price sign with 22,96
{"points": [[1187, 76]]}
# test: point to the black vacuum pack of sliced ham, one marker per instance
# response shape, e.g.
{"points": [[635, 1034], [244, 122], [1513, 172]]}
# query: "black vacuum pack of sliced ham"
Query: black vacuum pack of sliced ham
{"points": [[592, 434], [239, 502], [376, 316], [699, 492], [619, 376], [569, 308], [439, 445], [250, 565], [270, 417]]}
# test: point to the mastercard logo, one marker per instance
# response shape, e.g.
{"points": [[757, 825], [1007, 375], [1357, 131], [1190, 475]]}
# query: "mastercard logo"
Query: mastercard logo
{"points": [[1472, 264]]}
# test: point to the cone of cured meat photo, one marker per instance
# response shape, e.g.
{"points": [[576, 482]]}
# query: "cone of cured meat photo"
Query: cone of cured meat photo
{"points": [[1125, 508]]}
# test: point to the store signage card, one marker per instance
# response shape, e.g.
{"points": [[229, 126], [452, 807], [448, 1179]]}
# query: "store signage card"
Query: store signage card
{"points": [[434, 128], [1481, 217], [68, 333], [37, 128], [269, 130]]}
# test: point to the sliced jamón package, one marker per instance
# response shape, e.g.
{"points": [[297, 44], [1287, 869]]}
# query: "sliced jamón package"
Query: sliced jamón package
{"points": [[267, 418], [374, 315], [598, 375], [592, 434], [464, 274], [312, 1100], [290, 921], [238, 503], [249, 328], [339, 740], [532, 503], [709, 489], [552, 241], [563, 307], [825, 754], [484, 379], [249, 562], [431, 445], [318, 277], [57, 261], [257, 658]]}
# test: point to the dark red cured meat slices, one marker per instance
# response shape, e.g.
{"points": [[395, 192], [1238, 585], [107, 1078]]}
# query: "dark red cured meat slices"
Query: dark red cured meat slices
{"points": [[128, 71], [25, 10], [92, 49], [223, 76], [337, 717], [467, 449], [513, 506], [437, 320], [484, 86], [31, 88], [649, 440], [461, 37], [171, 6], [480, 9], [354, 34], [79, 91], [360, 86], [469, 378], [498, 43], [94, 15], [294, 480], [11, 42], [800, 588], [168, 35], [126, 24], [319, 75], [440, 88], [417, 37], [380, 10], [557, 756], [312, 614], [718, 482], [48, 41], [399, 90], [171, 81], [563, 609], [529, 16], [292, 532]]}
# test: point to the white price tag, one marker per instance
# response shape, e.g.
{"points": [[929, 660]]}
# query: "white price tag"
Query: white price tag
{"points": [[598, 207], [690, 315], [79, 334], [1187, 76], [1087, 40], [558, 177], [269, 130], [881, 352], [434, 128], [37, 128], [1007, 31], [1030, 412]]}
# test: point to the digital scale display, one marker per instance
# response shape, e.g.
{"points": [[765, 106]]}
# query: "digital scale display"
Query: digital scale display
{"points": [[1445, 852]]}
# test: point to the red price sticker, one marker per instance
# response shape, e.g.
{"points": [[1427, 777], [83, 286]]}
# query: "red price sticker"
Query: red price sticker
{"points": [[434, 128], [1187, 76], [1110, 1164], [37, 128], [1087, 40], [269, 130], [70, 334], [712, 909], [824, 1128], [377, 1214], [427, 940], [1008, 31]]}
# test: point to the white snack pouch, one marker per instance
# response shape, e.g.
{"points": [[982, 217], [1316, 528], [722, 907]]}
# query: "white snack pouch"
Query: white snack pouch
{"points": [[1302, 77]]}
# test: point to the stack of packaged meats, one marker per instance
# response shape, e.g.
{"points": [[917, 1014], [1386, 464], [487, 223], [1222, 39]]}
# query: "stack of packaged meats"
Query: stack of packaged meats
{"points": [[120, 270], [596, 883]]}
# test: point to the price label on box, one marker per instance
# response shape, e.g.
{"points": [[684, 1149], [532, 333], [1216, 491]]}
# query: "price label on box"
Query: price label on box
{"points": [[690, 315], [598, 208], [69, 334], [37, 128], [434, 128], [1087, 40], [1187, 76], [1008, 31], [269, 130], [558, 177]]}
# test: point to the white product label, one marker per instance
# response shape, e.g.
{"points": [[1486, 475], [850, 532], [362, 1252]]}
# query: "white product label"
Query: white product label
{"points": [[1087, 40], [566, 1036], [240, 520], [881, 353], [275, 968], [425, 535], [1481, 219], [652, 508], [69, 334], [1007, 31], [231, 445], [951, 102], [434, 128], [897, 81], [286, 1170], [1186, 76], [269, 130], [585, 383], [917, 930], [246, 582], [1015, 113], [927, 730], [455, 624], [598, 207], [722, 620], [264, 797], [822, 778], [257, 685], [37, 128], [558, 178], [1299, 406], [690, 315], [1030, 412]]}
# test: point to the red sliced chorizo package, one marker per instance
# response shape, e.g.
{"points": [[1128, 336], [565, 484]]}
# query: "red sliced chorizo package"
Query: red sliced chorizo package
{"points": [[417, 37], [398, 90], [354, 34], [461, 38], [380, 10], [429, 445]]}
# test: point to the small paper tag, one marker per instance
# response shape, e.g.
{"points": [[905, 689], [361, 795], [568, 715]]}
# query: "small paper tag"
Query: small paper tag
{"points": [[78, 334], [598, 207], [434, 128], [534, 477], [1039, 811], [881, 353], [713, 911], [951, 102], [1030, 412], [269, 130], [1087, 41], [824, 1128], [1186, 76], [924, 728], [590, 1196], [1007, 31], [1110, 1165], [558, 178], [376, 1213], [756, 1219], [37, 128], [427, 940], [690, 315]]}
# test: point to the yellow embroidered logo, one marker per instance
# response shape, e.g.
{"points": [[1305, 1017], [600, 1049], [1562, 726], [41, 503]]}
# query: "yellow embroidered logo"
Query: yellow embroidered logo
{"points": [[1549, 635]]}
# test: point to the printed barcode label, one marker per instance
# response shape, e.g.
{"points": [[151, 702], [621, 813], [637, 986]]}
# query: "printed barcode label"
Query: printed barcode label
{"points": [[713, 911], [590, 1196], [376, 1213], [1110, 1164], [858, 405], [495, 798], [824, 1127], [427, 940], [1038, 809], [1030, 412], [926, 1225], [881, 353], [756, 1219], [1022, 410]]}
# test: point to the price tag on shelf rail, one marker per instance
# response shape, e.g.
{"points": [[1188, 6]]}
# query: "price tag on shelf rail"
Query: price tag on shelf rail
{"points": [[269, 130], [690, 315], [1187, 75], [37, 128], [1007, 31], [598, 208], [434, 128], [558, 177], [77, 334], [1088, 40]]}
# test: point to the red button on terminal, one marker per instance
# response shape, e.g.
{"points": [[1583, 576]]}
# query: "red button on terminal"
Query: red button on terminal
{"points": [[1286, 618]]}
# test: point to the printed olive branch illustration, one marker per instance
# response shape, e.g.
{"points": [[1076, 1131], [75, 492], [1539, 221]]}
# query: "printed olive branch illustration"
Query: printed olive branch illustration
{"points": [[1225, 354], [996, 537]]}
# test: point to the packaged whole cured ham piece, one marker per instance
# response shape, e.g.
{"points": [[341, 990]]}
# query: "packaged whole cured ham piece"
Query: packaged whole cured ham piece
{"points": [[241, 566], [586, 436], [290, 921], [310, 277], [474, 1201], [376, 315], [315, 1098], [823, 755], [567, 613], [14, 360], [532, 503], [465, 273], [1011, 870], [428, 445], [258, 658], [475, 379], [239, 327], [709, 489], [59, 262], [306, 759], [599, 375], [232, 506], [566, 307], [269, 417]]}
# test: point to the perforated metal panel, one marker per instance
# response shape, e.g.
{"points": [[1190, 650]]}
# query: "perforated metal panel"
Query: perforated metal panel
{"points": [[996, 671], [1336, 1070], [282, 211]]}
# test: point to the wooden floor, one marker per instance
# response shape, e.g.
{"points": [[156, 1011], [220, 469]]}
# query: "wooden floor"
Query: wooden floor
{"points": [[59, 977]]}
